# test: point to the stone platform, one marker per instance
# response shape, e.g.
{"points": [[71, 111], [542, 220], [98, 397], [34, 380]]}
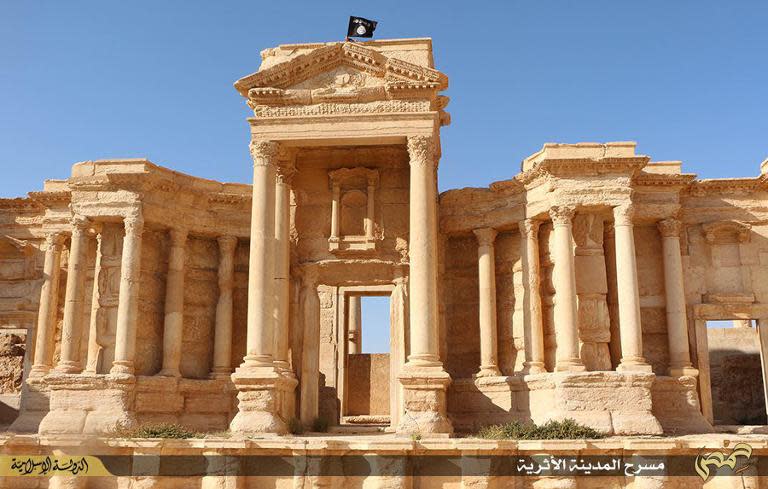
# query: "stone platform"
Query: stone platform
{"points": [[459, 462]]}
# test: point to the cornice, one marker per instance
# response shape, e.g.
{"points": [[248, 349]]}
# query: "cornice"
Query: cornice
{"points": [[663, 180], [700, 188]]}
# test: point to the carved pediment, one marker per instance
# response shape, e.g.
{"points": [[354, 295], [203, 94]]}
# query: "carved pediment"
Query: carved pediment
{"points": [[343, 73]]}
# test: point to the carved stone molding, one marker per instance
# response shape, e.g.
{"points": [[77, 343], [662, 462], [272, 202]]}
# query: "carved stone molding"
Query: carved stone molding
{"points": [[727, 231], [670, 228], [134, 224], [562, 215]]}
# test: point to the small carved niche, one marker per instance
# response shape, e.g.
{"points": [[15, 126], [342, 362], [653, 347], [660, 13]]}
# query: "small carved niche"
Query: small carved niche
{"points": [[353, 210]]}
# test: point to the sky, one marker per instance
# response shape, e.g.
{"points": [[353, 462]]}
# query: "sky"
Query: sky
{"points": [[92, 80]]}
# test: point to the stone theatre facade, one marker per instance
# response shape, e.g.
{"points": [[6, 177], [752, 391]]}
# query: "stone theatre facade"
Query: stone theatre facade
{"points": [[579, 288]]}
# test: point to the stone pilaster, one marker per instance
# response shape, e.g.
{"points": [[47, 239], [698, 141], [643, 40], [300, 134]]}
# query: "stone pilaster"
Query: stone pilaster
{"points": [[423, 378], [310, 352], [49, 295], [174, 305], [71, 332], [222, 342], [628, 292], [128, 306], [534, 322], [486, 262], [256, 379], [674, 289], [354, 318], [564, 278], [283, 267]]}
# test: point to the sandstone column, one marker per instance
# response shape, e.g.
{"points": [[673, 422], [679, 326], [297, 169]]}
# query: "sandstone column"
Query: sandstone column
{"points": [[94, 347], [564, 278], [486, 262], [398, 317], [222, 341], [46, 317], [335, 210], [677, 320], [174, 305], [370, 207], [629, 294], [423, 378], [529, 232], [256, 379], [283, 267], [354, 318], [71, 332], [310, 354], [128, 297]]}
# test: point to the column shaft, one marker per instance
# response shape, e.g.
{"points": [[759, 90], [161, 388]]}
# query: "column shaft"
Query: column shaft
{"points": [[222, 341], [46, 317], [489, 364], [564, 278], [128, 297], [335, 212], [260, 341], [369, 211], [283, 268], [677, 320], [71, 333], [628, 293], [94, 347], [423, 253], [534, 334], [174, 305], [354, 317]]}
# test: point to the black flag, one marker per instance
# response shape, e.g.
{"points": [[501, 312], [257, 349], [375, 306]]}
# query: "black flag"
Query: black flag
{"points": [[360, 27]]}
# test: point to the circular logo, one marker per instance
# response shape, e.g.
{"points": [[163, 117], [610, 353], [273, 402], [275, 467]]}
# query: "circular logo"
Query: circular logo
{"points": [[360, 30]]}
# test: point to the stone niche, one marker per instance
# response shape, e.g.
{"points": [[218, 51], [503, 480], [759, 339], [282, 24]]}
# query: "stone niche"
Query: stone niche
{"points": [[353, 212]]}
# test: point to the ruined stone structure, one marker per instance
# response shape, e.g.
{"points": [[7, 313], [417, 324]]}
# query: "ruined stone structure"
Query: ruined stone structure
{"points": [[578, 288]]}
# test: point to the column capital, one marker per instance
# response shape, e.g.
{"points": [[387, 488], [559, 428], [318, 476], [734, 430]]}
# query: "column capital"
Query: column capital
{"points": [[284, 174], [622, 214], [670, 228], [178, 236], [54, 240], [79, 223], [264, 152], [562, 214], [485, 236], [530, 228], [134, 224], [421, 150], [227, 243]]}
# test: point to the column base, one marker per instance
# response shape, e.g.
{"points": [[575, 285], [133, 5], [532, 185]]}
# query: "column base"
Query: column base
{"points": [[220, 373], [570, 365], [424, 396], [287, 391], [169, 373], [687, 371], [68, 367], [122, 367], [533, 368], [637, 364], [89, 404], [488, 372], [258, 409]]}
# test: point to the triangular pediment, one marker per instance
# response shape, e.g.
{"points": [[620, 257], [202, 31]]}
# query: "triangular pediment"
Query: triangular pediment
{"points": [[339, 66]]}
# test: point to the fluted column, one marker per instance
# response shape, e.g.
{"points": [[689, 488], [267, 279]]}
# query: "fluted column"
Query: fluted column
{"points": [[486, 262], [422, 250], [46, 316], [128, 296], [534, 324], [283, 267], [71, 332], [674, 290], [354, 318], [260, 341], [310, 354], [174, 305], [222, 341], [564, 278], [628, 292]]}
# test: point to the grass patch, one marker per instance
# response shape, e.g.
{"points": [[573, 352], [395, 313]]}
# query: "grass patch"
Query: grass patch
{"points": [[158, 430], [566, 429]]}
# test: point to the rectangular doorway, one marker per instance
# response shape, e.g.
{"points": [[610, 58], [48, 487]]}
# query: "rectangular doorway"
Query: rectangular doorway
{"points": [[736, 365], [367, 362]]}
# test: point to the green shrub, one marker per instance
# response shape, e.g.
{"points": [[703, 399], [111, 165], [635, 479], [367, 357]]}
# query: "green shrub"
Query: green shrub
{"points": [[320, 425], [566, 429], [158, 430], [295, 426]]}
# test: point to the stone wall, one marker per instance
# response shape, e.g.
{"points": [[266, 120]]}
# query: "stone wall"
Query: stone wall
{"points": [[368, 378], [650, 278], [201, 294], [149, 336]]}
